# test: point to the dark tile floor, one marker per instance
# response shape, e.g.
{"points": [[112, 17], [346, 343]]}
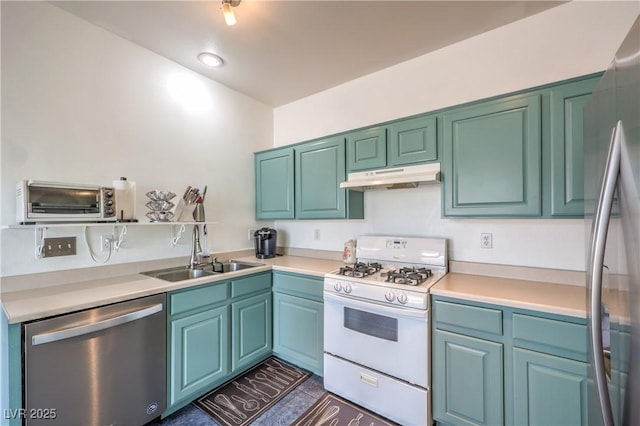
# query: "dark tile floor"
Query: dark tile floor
{"points": [[283, 413]]}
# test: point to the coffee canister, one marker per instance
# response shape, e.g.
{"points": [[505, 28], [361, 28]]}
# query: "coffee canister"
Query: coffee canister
{"points": [[349, 252]]}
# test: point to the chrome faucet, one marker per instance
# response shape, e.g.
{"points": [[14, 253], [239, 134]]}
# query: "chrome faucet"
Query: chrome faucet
{"points": [[196, 249]]}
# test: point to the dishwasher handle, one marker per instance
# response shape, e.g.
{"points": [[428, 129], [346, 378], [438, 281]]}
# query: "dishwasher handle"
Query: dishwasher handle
{"points": [[68, 333]]}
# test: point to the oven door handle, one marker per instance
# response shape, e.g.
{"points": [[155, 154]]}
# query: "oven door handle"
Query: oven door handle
{"points": [[373, 307]]}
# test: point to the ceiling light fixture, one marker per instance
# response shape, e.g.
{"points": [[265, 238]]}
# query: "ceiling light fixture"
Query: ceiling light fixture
{"points": [[210, 59], [227, 11]]}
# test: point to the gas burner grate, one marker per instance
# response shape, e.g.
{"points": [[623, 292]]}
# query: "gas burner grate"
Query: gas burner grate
{"points": [[360, 269], [408, 276]]}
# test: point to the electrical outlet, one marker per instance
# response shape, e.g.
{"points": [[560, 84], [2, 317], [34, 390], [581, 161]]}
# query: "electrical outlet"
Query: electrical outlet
{"points": [[486, 240], [105, 242], [316, 234], [250, 233]]}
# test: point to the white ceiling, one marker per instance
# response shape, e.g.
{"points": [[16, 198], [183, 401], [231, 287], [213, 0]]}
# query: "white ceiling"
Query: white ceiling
{"points": [[280, 51]]}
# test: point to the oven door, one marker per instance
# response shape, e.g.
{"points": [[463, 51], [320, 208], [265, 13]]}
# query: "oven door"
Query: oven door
{"points": [[391, 340]]}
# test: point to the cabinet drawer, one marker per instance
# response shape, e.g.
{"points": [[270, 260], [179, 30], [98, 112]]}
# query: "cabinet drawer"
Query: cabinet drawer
{"points": [[469, 317], [298, 285], [248, 285], [549, 335], [196, 298]]}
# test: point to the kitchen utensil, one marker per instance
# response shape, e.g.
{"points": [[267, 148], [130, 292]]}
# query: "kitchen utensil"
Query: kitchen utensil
{"points": [[334, 422], [356, 420], [328, 414], [276, 377], [224, 401], [264, 378], [264, 388], [320, 408], [229, 415], [252, 392], [247, 404]]}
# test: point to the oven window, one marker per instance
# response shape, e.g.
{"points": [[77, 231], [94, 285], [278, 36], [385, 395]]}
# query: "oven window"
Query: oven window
{"points": [[372, 324]]}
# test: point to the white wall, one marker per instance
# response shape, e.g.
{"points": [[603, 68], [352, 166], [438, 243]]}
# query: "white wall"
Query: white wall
{"points": [[80, 104], [574, 39]]}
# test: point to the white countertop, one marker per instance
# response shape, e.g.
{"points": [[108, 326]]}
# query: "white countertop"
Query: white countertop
{"points": [[562, 299], [36, 303], [27, 305]]}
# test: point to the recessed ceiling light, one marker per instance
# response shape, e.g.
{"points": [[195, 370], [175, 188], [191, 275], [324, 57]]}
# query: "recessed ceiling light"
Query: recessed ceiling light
{"points": [[210, 59]]}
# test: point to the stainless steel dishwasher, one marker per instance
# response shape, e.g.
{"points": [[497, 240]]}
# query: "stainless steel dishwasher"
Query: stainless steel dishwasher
{"points": [[99, 367]]}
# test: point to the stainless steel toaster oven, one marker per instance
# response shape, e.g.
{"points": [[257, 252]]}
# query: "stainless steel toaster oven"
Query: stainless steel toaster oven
{"points": [[50, 202]]}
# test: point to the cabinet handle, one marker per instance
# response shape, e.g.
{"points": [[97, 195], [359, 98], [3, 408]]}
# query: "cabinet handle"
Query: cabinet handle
{"points": [[596, 263], [68, 333]]}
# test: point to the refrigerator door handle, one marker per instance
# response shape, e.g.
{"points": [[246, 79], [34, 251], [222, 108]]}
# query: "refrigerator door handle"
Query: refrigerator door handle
{"points": [[68, 333], [596, 263]]}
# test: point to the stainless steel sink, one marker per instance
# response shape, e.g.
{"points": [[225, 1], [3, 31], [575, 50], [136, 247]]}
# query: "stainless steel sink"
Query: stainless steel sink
{"points": [[183, 273], [178, 274], [234, 265]]}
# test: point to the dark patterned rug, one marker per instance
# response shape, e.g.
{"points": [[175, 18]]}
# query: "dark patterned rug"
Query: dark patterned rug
{"points": [[245, 398], [331, 410]]}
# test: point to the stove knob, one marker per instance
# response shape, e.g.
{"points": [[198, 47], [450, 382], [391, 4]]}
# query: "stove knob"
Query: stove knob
{"points": [[402, 298], [347, 288], [337, 286], [390, 296]]}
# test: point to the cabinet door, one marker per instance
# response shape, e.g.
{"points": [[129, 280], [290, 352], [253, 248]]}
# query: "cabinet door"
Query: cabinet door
{"points": [[567, 163], [198, 353], [274, 184], [467, 380], [548, 390], [251, 336], [492, 159], [412, 141], [298, 331], [367, 149], [320, 168]]}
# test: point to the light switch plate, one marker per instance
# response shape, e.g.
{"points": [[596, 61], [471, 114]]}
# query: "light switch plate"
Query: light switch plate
{"points": [[64, 246]]}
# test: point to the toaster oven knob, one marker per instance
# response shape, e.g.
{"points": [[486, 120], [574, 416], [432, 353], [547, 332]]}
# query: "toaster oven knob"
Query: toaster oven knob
{"points": [[108, 194], [109, 202], [108, 211], [347, 288], [337, 286], [390, 296], [402, 298]]}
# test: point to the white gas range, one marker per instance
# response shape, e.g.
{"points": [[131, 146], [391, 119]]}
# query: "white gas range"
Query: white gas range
{"points": [[376, 322]]}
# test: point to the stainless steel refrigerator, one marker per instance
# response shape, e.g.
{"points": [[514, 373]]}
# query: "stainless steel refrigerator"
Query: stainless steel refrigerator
{"points": [[612, 218]]}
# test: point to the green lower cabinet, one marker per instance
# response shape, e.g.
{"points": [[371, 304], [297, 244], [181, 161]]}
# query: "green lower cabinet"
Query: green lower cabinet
{"points": [[548, 390], [298, 331], [467, 380], [198, 353], [251, 330]]}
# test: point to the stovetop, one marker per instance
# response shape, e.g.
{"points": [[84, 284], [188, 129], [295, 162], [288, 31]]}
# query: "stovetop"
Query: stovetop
{"points": [[401, 273]]}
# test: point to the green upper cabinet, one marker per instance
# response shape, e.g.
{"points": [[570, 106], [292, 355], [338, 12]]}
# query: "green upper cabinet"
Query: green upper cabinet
{"points": [[566, 123], [412, 141], [319, 170], [274, 184], [367, 149], [492, 158], [401, 143]]}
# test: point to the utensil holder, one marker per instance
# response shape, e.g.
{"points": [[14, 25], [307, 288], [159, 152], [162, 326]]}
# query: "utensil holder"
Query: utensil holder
{"points": [[198, 213]]}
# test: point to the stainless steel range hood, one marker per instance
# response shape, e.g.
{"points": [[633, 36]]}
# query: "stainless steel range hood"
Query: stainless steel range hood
{"points": [[397, 177]]}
